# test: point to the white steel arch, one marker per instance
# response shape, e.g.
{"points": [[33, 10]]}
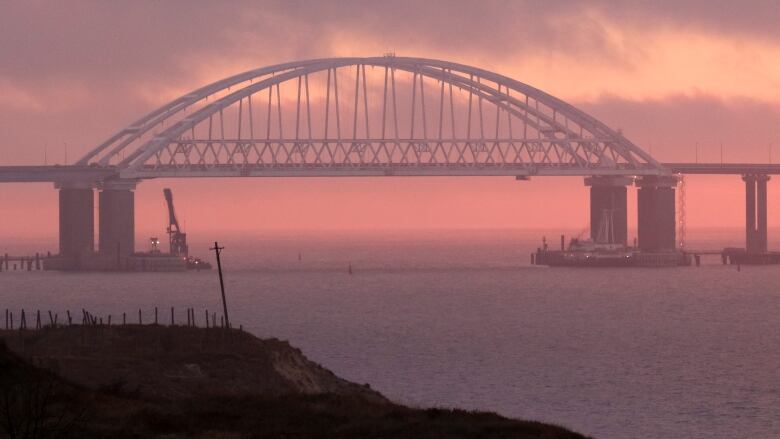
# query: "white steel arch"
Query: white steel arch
{"points": [[429, 117]]}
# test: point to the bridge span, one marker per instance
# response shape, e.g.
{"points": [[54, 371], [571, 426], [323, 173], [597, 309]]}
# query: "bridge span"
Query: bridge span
{"points": [[376, 116]]}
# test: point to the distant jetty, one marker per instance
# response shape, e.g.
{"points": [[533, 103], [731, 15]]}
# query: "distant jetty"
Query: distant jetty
{"points": [[158, 381]]}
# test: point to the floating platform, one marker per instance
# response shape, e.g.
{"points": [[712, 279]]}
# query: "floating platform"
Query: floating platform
{"points": [[740, 256], [626, 258], [136, 262]]}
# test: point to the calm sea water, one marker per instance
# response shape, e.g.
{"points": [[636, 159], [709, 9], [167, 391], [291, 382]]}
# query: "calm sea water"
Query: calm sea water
{"points": [[459, 319]]}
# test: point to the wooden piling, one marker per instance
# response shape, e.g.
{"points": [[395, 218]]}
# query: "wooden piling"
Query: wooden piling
{"points": [[140, 319], [70, 321], [6, 318], [38, 319], [207, 319], [173, 321], [124, 318], [109, 320], [155, 315], [51, 318]]}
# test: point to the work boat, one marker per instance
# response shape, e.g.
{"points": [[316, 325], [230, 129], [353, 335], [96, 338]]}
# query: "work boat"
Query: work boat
{"points": [[593, 253], [603, 251]]}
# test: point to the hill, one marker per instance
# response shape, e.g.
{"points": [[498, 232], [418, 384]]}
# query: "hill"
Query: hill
{"points": [[153, 381]]}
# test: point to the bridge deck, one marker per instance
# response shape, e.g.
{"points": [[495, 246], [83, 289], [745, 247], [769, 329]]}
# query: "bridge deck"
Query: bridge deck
{"points": [[73, 173]]}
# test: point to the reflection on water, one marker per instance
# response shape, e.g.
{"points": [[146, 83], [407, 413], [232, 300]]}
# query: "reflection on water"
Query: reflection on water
{"points": [[460, 320]]}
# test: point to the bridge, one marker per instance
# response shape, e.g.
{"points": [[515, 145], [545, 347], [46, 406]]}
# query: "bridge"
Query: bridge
{"points": [[377, 116]]}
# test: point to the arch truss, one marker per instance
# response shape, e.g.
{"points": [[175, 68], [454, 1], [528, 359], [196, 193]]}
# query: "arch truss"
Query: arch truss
{"points": [[369, 116]]}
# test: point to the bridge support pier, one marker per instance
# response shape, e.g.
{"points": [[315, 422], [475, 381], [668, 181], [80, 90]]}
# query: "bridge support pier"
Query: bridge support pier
{"points": [[656, 213], [77, 224], [116, 211], [608, 199], [755, 213]]}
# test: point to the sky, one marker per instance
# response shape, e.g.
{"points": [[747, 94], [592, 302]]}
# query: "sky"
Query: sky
{"points": [[669, 74]]}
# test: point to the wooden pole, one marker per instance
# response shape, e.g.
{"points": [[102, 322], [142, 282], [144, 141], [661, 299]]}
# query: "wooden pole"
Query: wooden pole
{"points": [[217, 249]]}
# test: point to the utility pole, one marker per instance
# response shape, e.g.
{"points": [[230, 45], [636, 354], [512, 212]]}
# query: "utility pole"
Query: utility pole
{"points": [[217, 249]]}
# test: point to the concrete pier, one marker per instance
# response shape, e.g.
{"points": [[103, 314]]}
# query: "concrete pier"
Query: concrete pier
{"points": [[609, 194], [755, 213], [116, 238], [77, 224], [656, 213]]}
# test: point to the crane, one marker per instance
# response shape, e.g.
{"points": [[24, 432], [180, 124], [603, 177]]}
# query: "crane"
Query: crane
{"points": [[176, 238]]}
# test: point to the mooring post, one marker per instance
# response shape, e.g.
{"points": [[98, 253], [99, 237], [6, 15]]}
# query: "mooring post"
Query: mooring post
{"points": [[217, 249]]}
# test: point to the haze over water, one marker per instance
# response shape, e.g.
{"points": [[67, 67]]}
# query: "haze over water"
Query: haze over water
{"points": [[459, 319]]}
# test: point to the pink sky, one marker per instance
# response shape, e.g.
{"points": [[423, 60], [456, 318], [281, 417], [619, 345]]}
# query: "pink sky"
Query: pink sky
{"points": [[668, 74]]}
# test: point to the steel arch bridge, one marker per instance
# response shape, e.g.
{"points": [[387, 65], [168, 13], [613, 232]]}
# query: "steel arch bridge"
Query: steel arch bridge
{"points": [[368, 117]]}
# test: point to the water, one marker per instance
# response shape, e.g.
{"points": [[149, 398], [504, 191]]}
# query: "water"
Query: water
{"points": [[458, 319]]}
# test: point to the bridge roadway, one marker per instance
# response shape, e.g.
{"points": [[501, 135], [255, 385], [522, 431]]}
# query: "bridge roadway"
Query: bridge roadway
{"points": [[65, 174]]}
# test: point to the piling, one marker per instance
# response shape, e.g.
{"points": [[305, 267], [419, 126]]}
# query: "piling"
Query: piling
{"points": [[51, 318], [140, 320], [124, 318], [155, 315], [6, 318], [37, 261], [172, 319], [207, 318], [70, 320]]}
